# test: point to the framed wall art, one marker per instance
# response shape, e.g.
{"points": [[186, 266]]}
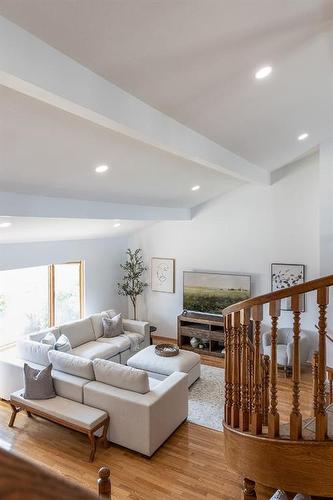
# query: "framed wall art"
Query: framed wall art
{"points": [[285, 276], [163, 275]]}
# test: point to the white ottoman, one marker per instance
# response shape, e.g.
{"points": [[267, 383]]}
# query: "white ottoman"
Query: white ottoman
{"points": [[160, 367]]}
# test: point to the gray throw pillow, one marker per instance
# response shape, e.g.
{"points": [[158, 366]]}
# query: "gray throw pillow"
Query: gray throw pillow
{"points": [[112, 327], [38, 384], [63, 344]]}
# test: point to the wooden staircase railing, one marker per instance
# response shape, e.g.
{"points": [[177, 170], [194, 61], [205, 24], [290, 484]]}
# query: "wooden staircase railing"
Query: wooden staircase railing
{"points": [[251, 402]]}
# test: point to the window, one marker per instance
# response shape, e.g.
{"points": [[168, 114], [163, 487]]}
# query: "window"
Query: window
{"points": [[37, 297], [67, 292]]}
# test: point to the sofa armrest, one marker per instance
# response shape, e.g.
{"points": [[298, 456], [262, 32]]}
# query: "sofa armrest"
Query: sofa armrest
{"points": [[141, 422], [141, 327]]}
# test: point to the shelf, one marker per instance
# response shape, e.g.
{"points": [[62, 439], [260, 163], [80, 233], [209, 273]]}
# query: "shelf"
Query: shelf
{"points": [[203, 351]]}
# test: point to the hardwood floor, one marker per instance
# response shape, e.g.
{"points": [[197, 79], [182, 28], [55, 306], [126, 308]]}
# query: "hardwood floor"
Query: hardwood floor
{"points": [[190, 465]]}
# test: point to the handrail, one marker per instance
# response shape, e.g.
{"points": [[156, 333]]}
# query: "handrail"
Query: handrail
{"points": [[309, 286]]}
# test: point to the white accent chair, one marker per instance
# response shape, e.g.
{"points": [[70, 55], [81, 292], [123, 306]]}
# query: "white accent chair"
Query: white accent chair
{"points": [[285, 346]]}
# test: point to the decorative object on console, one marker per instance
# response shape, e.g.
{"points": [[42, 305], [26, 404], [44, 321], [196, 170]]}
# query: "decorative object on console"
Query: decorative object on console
{"points": [[287, 275], [194, 342], [167, 350], [163, 275], [132, 285]]}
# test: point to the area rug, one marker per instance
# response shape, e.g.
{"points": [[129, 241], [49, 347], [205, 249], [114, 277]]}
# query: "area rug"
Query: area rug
{"points": [[206, 398]]}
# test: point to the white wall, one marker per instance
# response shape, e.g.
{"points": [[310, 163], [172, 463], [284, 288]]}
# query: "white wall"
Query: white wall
{"points": [[243, 231], [102, 258]]}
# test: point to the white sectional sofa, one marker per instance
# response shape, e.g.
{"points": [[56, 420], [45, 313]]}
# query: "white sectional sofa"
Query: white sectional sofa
{"points": [[142, 417], [87, 341]]}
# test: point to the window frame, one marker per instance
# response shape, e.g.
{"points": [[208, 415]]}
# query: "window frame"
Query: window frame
{"points": [[52, 289]]}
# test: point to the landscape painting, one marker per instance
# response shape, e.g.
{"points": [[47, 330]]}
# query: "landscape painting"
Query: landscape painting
{"points": [[212, 292]]}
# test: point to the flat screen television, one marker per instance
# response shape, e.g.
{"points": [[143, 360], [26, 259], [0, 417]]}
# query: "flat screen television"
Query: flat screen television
{"points": [[210, 293]]}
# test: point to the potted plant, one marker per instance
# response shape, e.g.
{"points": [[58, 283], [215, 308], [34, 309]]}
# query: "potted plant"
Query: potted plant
{"points": [[132, 284]]}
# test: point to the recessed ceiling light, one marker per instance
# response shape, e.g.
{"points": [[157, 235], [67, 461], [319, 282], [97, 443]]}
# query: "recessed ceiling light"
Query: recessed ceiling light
{"points": [[101, 169], [117, 224], [263, 72], [195, 188], [303, 136], [5, 224]]}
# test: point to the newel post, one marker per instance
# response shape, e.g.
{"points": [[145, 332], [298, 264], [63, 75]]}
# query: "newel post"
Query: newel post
{"points": [[104, 483], [321, 417], [256, 421]]}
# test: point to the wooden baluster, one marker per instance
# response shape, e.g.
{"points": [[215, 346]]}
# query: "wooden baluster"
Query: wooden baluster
{"points": [[265, 385], [321, 417], [273, 414], [236, 370], [104, 483], [330, 384], [230, 368], [244, 389], [256, 422], [227, 347], [250, 374], [295, 415], [315, 383]]}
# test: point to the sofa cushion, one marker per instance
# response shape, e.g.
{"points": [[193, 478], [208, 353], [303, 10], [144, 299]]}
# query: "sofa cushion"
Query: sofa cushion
{"points": [[96, 321], [38, 384], [29, 350], [135, 339], [78, 332], [74, 365], [69, 386], [65, 409], [123, 377], [95, 349], [121, 342]]}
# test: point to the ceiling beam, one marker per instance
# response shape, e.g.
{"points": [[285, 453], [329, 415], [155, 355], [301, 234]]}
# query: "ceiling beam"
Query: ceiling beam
{"points": [[32, 67], [25, 205]]}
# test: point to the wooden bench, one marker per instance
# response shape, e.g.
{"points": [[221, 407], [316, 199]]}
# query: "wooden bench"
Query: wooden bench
{"points": [[65, 412]]}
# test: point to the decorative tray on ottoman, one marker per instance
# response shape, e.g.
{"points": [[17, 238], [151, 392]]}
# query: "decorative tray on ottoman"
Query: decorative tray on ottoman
{"points": [[167, 350]]}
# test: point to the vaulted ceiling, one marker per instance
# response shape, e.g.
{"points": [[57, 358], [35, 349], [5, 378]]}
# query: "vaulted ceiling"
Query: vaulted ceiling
{"points": [[195, 61]]}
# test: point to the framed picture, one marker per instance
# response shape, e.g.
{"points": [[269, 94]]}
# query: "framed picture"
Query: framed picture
{"points": [[163, 275], [285, 276]]}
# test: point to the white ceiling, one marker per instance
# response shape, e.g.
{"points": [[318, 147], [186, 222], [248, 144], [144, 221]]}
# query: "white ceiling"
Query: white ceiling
{"points": [[27, 229], [44, 150], [194, 60]]}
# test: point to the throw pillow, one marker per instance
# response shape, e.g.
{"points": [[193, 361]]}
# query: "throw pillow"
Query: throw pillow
{"points": [[112, 327], [38, 384], [49, 339], [63, 344]]}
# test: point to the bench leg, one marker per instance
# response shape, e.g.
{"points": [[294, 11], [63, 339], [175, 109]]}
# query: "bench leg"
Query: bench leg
{"points": [[92, 440], [105, 430], [13, 415]]}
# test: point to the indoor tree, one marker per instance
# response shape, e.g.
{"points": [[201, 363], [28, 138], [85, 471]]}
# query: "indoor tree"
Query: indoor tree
{"points": [[132, 284]]}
